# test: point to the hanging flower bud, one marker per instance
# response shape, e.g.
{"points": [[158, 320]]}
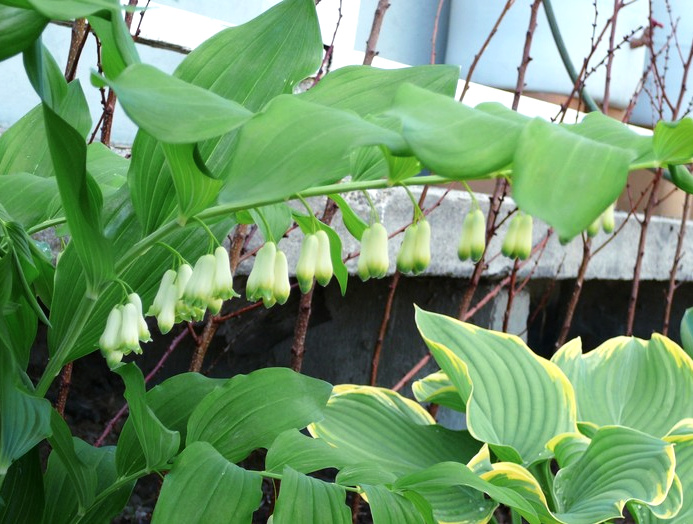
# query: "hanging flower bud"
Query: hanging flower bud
{"points": [[167, 315], [323, 263], [464, 247], [509, 248], [477, 243], [608, 222], [261, 279], [129, 330], [214, 306], [223, 279], [305, 268], [593, 228], [523, 248], [405, 257], [422, 251], [113, 358], [142, 328], [282, 287], [166, 281], [182, 278], [377, 259], [110, 339], [200, 287], [362, 265]]}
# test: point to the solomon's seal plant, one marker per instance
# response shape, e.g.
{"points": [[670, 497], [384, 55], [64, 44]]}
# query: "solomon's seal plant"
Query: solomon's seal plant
{"points": [[223, 142]]}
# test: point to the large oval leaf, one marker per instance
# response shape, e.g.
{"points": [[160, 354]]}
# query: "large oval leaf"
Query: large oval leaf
{"points": [[505, 385], [204, 487], [250, 411], [378, 426], [630, 382], [18, 29]]}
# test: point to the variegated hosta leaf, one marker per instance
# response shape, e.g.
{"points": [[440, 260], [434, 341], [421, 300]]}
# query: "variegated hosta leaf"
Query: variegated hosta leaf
{"points": [[568, 448], [682, 438], [378, 426], [439, 389], [516, 401], [435, 485], [619, 465], [630, 382]]}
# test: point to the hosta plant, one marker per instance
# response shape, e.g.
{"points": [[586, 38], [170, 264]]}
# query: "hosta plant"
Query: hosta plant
{"points": [[225, 141]]}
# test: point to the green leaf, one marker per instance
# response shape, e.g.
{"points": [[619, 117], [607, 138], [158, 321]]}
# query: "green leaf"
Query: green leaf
{"points": [[18, 29], [451, 139], [391, 508], [82, 479], [368, 90], [250, 411], [673, 142], [81, 198], [21, 496], [195, 188], [437, 388], [652, 378], [24, 418], [172, 402], [606, 130], [158, 443], [354, 224], [687, 331], [501, 380], [681, 177], [447, 474], [620, 464], [19, 189], [61, 498], [273, 220], [682, 438], [108, 168], [21, 327], [70, 9], [248, 64], [23, 147], [309, 501], [302, 453], [378, 426], [117, 46], [550, 163], [270, 160], [204, 487], [172, 110]]}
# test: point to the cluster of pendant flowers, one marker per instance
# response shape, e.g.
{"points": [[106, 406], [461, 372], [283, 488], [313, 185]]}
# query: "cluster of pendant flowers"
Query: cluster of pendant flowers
{"points": [[187, 293]]}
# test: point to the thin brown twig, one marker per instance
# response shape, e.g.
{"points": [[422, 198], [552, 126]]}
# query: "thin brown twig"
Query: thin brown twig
{"points": [[298, 346], [374, 35], [577, 290], [327, 59], [610, 59], [65, 381], [477, 57], [635, 288], [678, 255], [434, 35], [522, 69], [80, 32]]}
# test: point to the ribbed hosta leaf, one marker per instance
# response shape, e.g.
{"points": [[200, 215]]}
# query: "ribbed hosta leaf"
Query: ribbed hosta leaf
{"points": [[378, 426], [437, 388], [506, 385], [682, 438], [630, 382], [619, 465]]}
